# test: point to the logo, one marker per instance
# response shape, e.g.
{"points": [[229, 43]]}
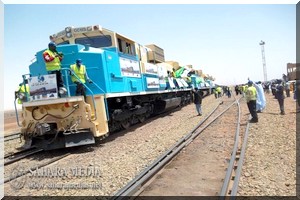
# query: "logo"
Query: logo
{"points": [[41, 78], [17, 177]]}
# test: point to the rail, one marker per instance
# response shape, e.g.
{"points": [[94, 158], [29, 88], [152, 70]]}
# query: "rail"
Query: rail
{"points": [[11, 137], [240, 164], [19, 155], [232, 166], [233, 156], [17, 114], [14, 176], [27, 96], [133, 186], [105, 100]]}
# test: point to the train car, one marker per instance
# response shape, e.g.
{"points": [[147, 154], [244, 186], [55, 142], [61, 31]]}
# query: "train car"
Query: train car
{"points": [[129, 84]]}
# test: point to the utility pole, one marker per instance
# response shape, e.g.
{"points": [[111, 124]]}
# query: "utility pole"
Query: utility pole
{"points": [[262, 43]]}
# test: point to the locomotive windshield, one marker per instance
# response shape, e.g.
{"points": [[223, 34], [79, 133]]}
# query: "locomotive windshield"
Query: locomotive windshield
{"points": [[95, 41]]}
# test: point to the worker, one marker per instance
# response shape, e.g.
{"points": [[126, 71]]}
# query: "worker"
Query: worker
{"points": [[22, 92], [280, 95], [251, 96], [219, 91], [52, 59], [198, 100], [80, 70]]}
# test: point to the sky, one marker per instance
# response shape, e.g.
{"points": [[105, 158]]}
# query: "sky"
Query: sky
{"points": [[220, 39]]}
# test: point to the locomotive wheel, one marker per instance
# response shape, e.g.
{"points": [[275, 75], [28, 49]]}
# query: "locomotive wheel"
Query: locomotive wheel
{"points": [[125, 124]]}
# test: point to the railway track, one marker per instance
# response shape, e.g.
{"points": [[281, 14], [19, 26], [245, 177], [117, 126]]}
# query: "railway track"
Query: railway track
{"points": [[11, 137], [36, 158], [136, 186], [11, 158], [233, 173], [23, 172]]}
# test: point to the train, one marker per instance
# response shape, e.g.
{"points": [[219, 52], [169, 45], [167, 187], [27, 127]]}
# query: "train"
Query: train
{"points": [[130, 83]]}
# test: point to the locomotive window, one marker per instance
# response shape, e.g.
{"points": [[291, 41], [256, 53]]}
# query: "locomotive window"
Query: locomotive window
{"points": [[95, 41], [126, 47]]}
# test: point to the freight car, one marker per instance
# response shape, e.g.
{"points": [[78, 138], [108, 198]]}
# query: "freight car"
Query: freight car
{"points": [[129, 85]]}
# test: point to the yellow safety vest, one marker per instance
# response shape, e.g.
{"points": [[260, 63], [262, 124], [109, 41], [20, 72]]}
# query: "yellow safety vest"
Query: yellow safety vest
{"points": [[21, 89], [251, 94], [54, 64], [80, 72], [244, 88]]}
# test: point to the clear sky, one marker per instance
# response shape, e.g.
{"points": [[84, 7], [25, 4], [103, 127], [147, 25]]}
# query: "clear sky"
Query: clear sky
{"points": [[221, 39]]}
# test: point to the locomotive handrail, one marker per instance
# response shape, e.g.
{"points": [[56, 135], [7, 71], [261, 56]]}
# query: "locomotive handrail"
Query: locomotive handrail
{"points": [[26, 92], [68, 86], [105, 100], [17, 114]]}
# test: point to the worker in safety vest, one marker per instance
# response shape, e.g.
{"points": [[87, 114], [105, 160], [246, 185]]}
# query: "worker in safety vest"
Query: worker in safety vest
{"points": [[251, 96], [52, 60], [22, 92], [80, 71], [244, 89], [219, 91]]}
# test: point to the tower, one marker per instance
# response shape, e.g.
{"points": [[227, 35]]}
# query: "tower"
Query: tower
{"points": [[262, 43]]}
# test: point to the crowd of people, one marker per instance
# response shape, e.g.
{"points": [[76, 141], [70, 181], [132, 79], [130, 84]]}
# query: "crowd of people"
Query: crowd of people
{"points": [[254, 93]]}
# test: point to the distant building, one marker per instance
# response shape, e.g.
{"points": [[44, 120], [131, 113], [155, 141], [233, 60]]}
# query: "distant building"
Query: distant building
{"points": [[293, 71]]}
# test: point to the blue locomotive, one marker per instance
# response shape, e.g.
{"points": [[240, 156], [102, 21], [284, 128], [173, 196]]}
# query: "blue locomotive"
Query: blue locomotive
{"points": [[130, 82]]}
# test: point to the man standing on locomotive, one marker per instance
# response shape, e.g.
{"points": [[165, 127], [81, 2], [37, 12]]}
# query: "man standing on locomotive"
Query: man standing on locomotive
{"points": [[80, 71], [22, 92], [52, 59]]}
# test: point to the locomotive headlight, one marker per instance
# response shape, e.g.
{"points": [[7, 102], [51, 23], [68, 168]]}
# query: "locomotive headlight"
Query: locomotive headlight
{"points": [[68, 29], [69, 35], [62, 91], [118, 100]]}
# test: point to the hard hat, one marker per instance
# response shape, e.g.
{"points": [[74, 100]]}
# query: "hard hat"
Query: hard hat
{"points": [[250, 82], [52, 44], [78, 61]]}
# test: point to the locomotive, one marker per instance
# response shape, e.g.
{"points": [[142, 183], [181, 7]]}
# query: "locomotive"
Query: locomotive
{"points": [[130, 82]]}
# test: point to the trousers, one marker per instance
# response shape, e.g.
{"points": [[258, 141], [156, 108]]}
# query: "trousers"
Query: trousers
{"points": [[252, 109], [80, 90]]}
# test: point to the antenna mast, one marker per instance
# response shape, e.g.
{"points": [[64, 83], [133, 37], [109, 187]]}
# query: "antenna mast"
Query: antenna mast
{"points": [[262, 44]]}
